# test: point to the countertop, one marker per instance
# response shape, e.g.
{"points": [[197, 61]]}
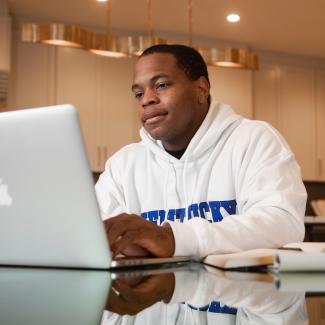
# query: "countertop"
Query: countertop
{"points": [[175, 294]]}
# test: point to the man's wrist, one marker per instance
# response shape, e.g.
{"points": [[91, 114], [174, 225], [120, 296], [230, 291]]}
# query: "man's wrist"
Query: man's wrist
{"points": [[170, 239]]}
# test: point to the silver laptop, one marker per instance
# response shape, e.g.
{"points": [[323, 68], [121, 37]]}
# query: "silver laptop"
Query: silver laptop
{"points": [[49, 214]]}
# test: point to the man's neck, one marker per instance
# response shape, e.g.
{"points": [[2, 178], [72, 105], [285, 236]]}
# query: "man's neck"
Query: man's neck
{"points": [[176, 153]]}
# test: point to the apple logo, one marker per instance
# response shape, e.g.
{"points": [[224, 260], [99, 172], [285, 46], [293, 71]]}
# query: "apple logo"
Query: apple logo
{"points": [[5, 198]]}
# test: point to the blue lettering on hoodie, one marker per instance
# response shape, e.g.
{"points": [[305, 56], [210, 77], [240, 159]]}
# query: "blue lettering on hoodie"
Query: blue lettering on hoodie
{"points": [[216, 307], [206, 210]]}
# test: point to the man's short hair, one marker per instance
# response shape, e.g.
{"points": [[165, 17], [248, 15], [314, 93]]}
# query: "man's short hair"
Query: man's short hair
{"points": [[187, 58]]}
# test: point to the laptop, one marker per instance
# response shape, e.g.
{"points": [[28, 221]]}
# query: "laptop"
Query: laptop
{"points": [[49, 214]]}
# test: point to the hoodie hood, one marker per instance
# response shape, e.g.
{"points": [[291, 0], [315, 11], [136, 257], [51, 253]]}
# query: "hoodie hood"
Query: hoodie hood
{"points": [[219, 118]]}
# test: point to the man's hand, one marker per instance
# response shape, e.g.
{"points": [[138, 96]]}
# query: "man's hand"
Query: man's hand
{"points": [[131, 235]]}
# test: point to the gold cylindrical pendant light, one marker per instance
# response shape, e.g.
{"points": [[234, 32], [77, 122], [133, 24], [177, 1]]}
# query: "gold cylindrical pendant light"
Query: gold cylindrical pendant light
{"points": [[104, 45], [54, 34], [135, 45], [116, 47], [211, 55], [233, 58]]}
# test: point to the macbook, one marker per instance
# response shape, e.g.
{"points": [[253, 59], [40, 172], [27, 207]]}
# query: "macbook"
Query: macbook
{"points": [[49, 214]]}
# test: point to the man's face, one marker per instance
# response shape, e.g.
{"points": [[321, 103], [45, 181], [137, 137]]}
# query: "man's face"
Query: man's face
{"points": [[168, 100]]}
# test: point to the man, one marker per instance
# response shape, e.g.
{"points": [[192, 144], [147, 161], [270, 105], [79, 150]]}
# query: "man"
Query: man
{"points": [[203, 179]]}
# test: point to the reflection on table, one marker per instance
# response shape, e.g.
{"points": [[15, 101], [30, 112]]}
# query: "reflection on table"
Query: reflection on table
{"points": [[203, 295], [187, 294]]}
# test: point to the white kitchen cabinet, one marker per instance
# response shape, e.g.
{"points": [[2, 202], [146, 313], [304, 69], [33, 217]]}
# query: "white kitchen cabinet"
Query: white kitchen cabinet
{"points": [[297, 116], [32, 76], [76, 83], [284, 96], [266, 95], [320, 113], [100, 89], [119, 119], [233, 87]]}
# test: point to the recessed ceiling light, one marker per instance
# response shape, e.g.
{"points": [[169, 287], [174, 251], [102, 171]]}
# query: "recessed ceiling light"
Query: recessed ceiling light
{"points": [[101, 0], [233, 18]]}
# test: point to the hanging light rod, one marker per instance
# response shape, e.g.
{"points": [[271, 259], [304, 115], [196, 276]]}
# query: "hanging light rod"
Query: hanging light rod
{"points": [[106, 44]]}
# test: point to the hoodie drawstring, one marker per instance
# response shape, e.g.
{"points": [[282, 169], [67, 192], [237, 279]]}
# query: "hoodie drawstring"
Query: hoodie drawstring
{"points": [[166, 189]]}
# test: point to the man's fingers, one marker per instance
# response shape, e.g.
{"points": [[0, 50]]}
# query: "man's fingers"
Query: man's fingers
{"points": [[126, 230], [115, 231], [128, 238], [111, 221], [118, 226]]}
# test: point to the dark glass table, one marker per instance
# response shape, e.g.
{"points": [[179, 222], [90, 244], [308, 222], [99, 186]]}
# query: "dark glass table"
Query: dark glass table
{"points": [[183, 294]]}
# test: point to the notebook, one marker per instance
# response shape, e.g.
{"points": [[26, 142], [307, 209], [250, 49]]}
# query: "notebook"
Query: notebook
{"points": [[49, 214], [293, 257]]}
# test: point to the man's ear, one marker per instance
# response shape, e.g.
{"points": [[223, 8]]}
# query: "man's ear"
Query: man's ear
{"points": [[203, 88]]}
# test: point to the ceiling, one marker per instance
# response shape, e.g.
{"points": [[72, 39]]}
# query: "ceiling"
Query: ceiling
{"points": [[288, 26]]}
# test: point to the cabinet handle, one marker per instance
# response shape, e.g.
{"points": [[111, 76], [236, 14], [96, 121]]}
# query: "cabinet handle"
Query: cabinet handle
{"points": [[99, 156], [320, 167], [105, 153]]}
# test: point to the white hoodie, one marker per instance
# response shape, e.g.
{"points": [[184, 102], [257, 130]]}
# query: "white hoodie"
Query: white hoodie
{"points": [[234, 170]]}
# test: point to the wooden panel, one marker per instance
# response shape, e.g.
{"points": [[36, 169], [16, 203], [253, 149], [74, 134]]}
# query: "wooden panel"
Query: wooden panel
{"points": [[5, 37], [316, 310], [297, 116], [320, 106], [233, 87], [266, 95]]}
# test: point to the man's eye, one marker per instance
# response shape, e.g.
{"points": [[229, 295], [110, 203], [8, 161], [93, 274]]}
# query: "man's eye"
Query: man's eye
{"points": [[162, 85], [138, 95]]}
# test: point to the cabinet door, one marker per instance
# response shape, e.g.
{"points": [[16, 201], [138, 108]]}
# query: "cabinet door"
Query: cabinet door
{"points": [[76, 84], [31, 78], [297, 116], [233, 87], [266, 95], [118, 115], [320, 106]]}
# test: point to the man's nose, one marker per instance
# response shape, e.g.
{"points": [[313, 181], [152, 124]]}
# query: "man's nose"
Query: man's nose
{"points": [[149, 98]]}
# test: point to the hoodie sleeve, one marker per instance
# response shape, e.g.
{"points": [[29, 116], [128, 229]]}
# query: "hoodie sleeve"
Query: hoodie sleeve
{"points": [[270, 196], [109, 194]]}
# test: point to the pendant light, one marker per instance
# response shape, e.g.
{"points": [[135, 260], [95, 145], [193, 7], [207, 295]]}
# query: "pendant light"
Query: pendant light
{"points": [[106, 44], [54, 34], [230, 57]]}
